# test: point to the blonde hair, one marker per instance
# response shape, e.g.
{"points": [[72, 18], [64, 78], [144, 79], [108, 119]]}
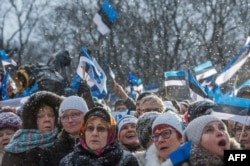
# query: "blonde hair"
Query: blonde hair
{"points": [[154, 99]]}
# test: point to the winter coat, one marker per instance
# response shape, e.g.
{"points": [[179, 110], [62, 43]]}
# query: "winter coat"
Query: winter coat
{"points": [[62, 147], [141, 157], [28, 158], [111, 156]]}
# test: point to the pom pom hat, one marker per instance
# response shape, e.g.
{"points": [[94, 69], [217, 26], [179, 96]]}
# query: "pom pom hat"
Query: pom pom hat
{"points": [[195, 128], [73, 102], [169, 118]]}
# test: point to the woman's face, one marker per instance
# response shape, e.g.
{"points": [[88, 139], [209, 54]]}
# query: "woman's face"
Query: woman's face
{"points": [[128, 134], [168, 144], [5, 136], [46, 119], [242, 134], [215, 138], [96, 133], [71, 121]]}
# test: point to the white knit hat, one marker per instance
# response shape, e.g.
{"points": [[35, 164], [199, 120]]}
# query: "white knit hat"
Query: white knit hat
{"points": [[195, 128], [169, 118], [73, 102], [125, 120]]}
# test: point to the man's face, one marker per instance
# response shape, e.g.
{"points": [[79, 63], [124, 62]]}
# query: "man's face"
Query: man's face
{"points": [[120, 108]]}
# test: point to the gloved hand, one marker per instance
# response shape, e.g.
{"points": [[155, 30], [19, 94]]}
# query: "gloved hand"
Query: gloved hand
{"points": [[85, 93]]}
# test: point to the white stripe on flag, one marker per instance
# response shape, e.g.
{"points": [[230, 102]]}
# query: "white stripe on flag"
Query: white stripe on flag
{"points": [[237, 118], [175, 83], [101, 26], [226, 75], [206, 74]]}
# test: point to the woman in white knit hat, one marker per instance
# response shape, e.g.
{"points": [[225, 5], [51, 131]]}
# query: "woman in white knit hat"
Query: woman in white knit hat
{"points": [[167, 130], [209, 138], [71, 114]]}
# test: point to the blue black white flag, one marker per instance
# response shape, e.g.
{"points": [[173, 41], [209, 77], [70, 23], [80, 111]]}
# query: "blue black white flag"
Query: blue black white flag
{"points": [[232, 108], [204, 71], [95, 76], [175, 85], [135, 85], [197, 92], [105, 17]]}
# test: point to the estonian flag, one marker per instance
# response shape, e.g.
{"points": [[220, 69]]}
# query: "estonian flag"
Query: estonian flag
{"points": [[232, 108], [197, 92], [175, 85], [204, 71], [105, 17], [95, 76], [152, 88]]}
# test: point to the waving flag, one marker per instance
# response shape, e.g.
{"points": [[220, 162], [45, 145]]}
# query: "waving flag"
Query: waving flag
{"points": [[105, 17], [135, 85], [235, 64], [204, 71], [232, 108], [94, 75], [197, 92], [175, 85]]}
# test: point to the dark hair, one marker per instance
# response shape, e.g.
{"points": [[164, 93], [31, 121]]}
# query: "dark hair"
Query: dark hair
{"points": [[143, 95], [119, 102]]}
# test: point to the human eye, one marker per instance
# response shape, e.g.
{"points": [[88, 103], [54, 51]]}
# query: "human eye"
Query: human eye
{"points": [[64, 118], [101, 129], [166, 133], [90, 128], [222, 128], [39, 116], [238, 129], [208, 130]]}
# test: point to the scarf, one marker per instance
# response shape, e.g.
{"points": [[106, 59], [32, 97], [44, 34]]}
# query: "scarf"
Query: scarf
{"points": [[26, 139]]}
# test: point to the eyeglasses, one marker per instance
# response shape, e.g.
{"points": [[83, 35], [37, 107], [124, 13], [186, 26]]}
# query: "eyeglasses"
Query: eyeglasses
{"points": [[165, 134], [238, 130], [152, 110], [74, 116], [100, 129]]}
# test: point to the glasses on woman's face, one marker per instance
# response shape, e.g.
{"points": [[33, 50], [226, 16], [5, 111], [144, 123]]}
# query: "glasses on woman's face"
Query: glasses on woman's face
{"points": [[239, 130], [73, 116], [165, 134], [99, 129]]}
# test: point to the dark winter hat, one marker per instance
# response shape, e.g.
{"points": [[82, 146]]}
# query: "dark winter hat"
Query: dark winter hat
{"points": [[34, 103], [144, 127], [10, 120], [104, 114], [195, 128], [199, 108], [169, 118], [73, 102], [125, 120]]}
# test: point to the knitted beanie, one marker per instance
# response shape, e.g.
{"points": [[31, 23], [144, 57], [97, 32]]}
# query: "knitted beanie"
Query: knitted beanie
{"points": [[73, 102], [169, 118], [10, 120], [144, 127], [125, 120], [195, 128]]}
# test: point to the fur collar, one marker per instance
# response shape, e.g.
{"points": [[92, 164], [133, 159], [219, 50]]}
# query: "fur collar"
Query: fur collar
{"points": [[152, 157]]}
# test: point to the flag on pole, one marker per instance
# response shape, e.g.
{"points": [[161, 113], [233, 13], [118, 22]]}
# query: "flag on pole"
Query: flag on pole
{"points": [[152, 88], [175, 85], [105, 17], [94, 75], [204, 71], [227, 74], [135, 85]]}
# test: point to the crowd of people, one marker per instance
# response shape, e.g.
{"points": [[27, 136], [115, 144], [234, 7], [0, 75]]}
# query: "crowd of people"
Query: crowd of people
{"points": [[50, 129]]}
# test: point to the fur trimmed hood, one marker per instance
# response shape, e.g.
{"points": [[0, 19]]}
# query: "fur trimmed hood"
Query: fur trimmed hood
{"points": [[34, 103]]}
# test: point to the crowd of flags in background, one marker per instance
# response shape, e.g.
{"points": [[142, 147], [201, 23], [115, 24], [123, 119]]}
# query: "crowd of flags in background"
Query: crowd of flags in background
{"points": [[201, 82]]}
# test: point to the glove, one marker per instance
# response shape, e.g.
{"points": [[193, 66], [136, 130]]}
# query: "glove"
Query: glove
{"points": [[85, 93]]}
